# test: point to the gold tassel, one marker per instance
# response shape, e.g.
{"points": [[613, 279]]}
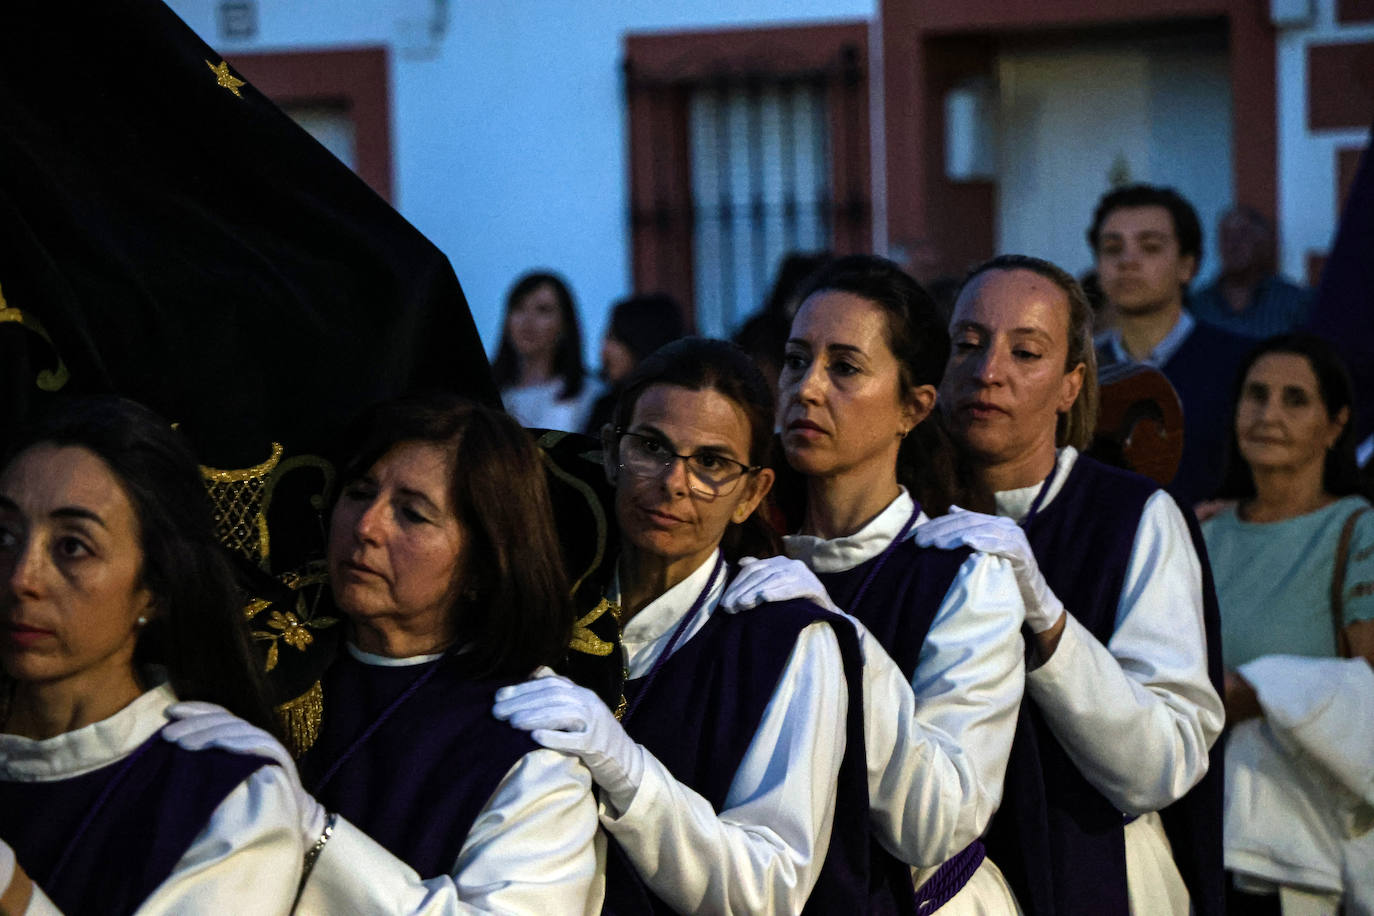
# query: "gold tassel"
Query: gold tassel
{"points": [[300, 719]]}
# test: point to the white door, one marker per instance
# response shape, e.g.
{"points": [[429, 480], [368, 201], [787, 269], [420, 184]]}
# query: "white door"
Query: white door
{"points": [[1078, 114]]}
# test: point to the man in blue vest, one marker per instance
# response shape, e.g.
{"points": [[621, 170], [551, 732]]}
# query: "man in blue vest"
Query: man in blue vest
{"points": [[1147, 243]]}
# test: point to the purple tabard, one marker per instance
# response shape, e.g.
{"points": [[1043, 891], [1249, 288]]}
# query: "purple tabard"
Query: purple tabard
{"points": [[148, 820], [419, 781], [1058, 841], [901, 602], [700, 717]]}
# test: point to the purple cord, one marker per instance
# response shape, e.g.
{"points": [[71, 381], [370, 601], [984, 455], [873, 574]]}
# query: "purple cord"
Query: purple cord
{"points": [[672, 640], [882, 558], [376, 724], [950, 878]]}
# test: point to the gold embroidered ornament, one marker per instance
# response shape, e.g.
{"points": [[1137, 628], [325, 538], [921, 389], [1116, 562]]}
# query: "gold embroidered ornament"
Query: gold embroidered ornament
{"points": [[225, 78], [48, 379]]}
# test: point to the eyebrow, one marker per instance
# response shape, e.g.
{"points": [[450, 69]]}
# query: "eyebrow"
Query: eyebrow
{"points": [[976, 326], [74, 512], [418, 494], [1143, 234], [842, 347], [725, 451]]}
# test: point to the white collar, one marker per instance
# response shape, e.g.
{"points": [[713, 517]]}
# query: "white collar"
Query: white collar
{"points": [[657, 619], [386, 661], [840, 554], [89, 748], [1015, 504], [1163, 351]]}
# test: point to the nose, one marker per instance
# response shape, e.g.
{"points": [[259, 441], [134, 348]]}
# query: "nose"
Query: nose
{"points": [[367, 528], [989, 369], [811, 386], [23, 568], [673, 477]]}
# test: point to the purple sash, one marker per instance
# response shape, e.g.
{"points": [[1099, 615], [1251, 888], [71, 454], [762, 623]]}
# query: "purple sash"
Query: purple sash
{"points": [[1058, 841], [120, 840], [700, 716], [417, 783]]}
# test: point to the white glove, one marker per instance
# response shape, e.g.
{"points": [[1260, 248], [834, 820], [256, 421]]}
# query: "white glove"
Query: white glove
{"points": [[1004, 538], [565, 717], [773, 579], [197, 725]]}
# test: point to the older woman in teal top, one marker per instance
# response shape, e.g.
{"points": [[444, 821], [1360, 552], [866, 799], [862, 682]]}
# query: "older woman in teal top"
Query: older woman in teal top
{"points": [[1274, 553]]}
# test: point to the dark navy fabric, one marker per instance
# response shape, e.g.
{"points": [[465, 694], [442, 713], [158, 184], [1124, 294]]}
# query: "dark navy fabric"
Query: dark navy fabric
{"points": [[160, 804], [1058, 841], [700, 716], [1343, 309], [418, 783], [901, 602]]}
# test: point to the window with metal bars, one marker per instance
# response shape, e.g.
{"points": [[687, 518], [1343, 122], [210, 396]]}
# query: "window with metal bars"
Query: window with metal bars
{"points": [[744, 145]]}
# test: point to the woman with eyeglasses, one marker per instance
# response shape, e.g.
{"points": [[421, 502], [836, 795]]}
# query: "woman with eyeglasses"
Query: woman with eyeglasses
{"points": [[733, 781]]}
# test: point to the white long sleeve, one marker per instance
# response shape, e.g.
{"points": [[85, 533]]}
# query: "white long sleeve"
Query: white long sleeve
{"points": [[247, 859], [938, 747], [763, 852], [248, 856], [533, 849], [1138, 715]]}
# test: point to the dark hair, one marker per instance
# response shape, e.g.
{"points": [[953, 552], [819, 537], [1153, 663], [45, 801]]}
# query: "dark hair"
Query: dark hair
{"points": [[197, 630], [919, 339], [704, 364], [1075, 427], [567, 358], [795, 268], [1341, 475], [646, 321], [513, 611], [1186, 226]]}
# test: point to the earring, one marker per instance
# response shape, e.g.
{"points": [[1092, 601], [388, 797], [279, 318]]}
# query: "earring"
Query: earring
{"points": [[143, 621]]}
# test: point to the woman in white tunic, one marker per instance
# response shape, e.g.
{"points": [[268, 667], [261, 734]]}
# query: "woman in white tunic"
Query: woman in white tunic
{"points": [[1121, 710], [116, 600], [1292, 779], [733, 781], [941, 628], [444, 564]]}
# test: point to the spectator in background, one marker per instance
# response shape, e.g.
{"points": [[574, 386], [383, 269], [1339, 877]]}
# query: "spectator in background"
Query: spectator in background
{"points": [[639, 325], [538, 365], [1147, 243], [1301, 750], [1248, 297], [764, 334]]}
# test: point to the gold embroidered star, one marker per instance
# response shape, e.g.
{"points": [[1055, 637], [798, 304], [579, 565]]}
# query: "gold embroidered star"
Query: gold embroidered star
{"points": [[225, 78]]}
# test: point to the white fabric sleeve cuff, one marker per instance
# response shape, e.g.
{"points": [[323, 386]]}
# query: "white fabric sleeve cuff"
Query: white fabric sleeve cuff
{"points": [[357, 876]]}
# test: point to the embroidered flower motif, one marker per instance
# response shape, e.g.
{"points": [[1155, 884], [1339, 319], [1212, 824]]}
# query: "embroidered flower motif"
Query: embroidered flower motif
{"points": [[293, 631]]}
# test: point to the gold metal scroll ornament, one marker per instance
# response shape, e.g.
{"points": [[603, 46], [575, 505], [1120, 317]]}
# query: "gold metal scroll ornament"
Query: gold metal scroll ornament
{"points": [[48, 379]]}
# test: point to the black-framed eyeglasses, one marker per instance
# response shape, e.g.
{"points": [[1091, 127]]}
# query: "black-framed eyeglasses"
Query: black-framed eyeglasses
{"points": [[708, 474]]}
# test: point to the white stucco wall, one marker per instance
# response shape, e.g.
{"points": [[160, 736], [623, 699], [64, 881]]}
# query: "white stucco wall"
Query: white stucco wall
{"points": [[1307, 159], [1074, 109], [508, 132]]}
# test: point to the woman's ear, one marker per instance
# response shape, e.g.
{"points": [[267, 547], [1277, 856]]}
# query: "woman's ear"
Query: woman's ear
{"points": [[756, 488], [1070, 387], [917, 404], [1337, 426]]}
